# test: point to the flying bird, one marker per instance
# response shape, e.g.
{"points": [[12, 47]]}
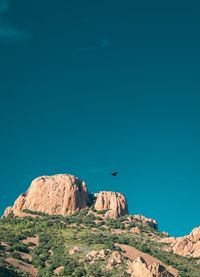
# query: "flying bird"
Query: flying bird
{"points": [[114, 173]]}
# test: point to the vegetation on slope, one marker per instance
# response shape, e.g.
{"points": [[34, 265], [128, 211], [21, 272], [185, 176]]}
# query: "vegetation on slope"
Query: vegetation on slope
{"points": [[85, 230]]}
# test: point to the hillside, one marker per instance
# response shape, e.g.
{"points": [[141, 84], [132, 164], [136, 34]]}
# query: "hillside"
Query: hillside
{"points": [[99, 239]]}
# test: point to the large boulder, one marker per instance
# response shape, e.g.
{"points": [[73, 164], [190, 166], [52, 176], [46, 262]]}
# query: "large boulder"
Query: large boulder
{"points": [[58, 194], [113, 202]]}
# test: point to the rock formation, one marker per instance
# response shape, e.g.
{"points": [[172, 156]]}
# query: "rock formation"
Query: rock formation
{"points": [[185, 246], [65, 194], [113, 202], [136, 268], [149, 221], [139, 268], [144, 220], [8, 211], [95, 255], [115, 259], [58, 194]]}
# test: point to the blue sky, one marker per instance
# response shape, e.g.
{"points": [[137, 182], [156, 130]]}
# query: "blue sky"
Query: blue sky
{"points": [[88, 87]]}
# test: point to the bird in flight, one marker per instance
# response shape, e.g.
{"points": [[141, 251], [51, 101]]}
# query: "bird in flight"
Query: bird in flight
{"points": [[114, 173]]}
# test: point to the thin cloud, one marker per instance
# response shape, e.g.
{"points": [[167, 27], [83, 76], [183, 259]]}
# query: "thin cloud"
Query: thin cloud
{"points": [[7, 30], [103, 44]]}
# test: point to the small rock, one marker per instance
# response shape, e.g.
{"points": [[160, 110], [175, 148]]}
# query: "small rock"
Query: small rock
{"points": [[135, 230], [74, 250]]}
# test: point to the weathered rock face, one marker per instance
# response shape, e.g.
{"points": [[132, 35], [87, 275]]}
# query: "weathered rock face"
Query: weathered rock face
{"points": [[95, 255], [145, 220], [187, 245], [65, 194], [58, 194], [113, 258], [139, 268], [8, 211], [114, 202]]}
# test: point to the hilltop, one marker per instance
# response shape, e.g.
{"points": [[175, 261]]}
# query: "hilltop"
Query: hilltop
{"points": [[59, 228]]}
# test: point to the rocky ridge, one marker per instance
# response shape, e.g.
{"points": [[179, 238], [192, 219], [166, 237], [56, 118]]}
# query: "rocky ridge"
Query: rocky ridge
{"points": [[65, 194], [136, 268], [64, 199], [139, 268], [185, 246]]}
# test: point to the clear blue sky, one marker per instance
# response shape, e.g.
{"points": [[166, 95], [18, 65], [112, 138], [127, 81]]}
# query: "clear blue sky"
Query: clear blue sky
{"points": [[88, 87]]}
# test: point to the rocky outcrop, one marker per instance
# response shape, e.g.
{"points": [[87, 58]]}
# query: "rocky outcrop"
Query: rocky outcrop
{"points": [[95, 255], [8, 211], [113, 202], [58, 194], [139, 268], [145, 220], [185, 246], [113, 258], [65, 194], [136, 268]]}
